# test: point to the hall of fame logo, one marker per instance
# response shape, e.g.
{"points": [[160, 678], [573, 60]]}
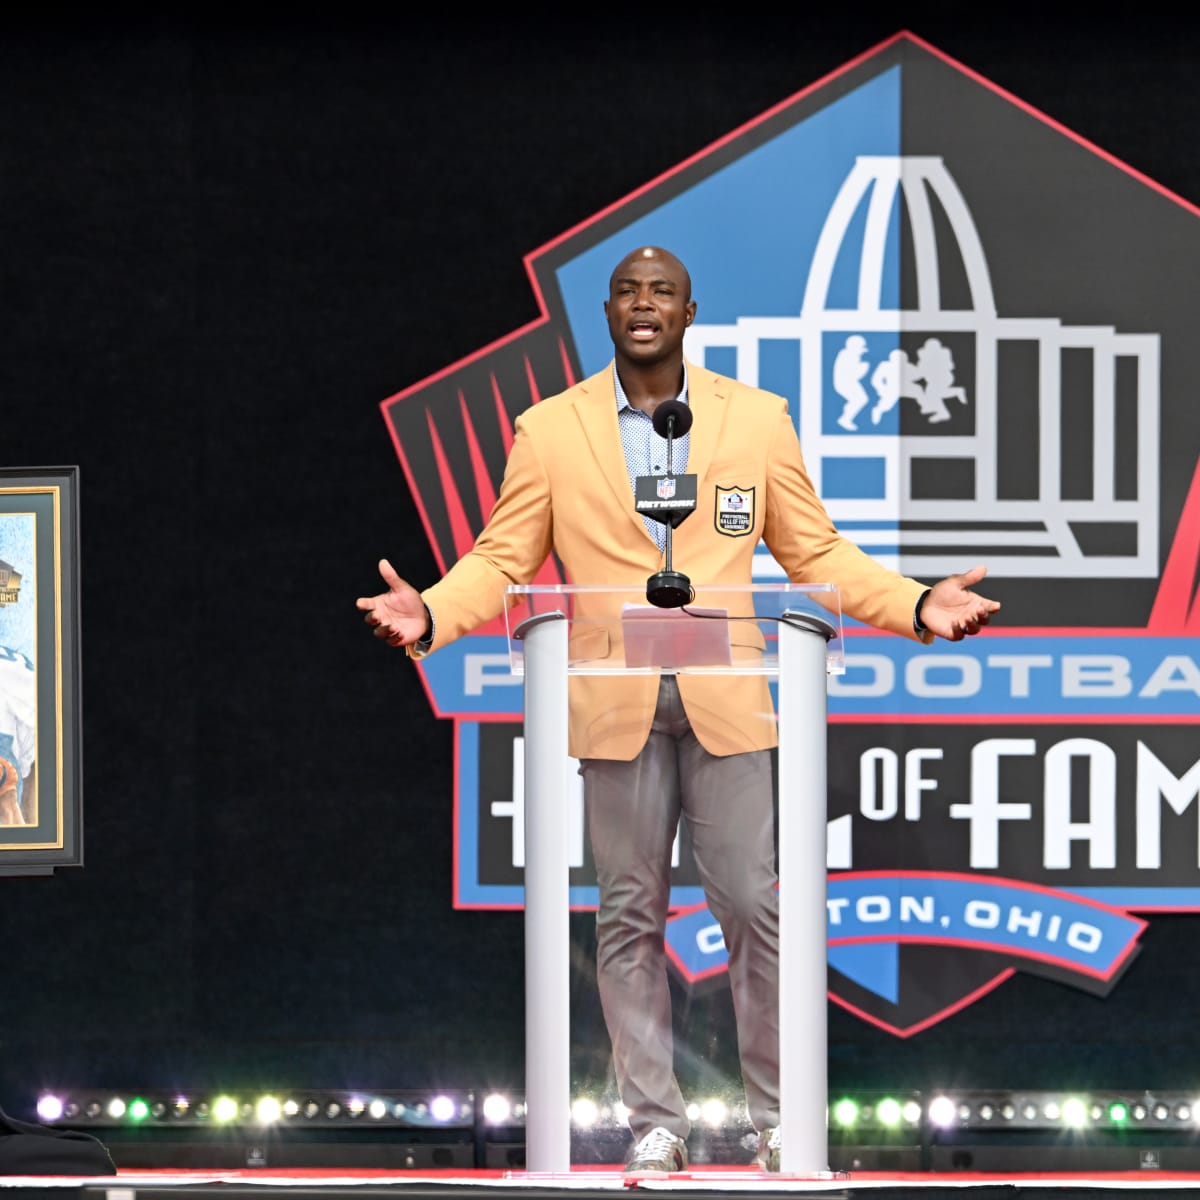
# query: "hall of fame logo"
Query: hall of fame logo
{"points": [[734, 510], [10, 584], [976, 375]]}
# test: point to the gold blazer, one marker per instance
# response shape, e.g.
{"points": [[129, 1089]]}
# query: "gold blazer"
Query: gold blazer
{"points": [[566, 488]]}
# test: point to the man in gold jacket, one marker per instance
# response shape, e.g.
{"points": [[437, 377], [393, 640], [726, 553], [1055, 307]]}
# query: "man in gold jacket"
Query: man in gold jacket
{"points": [[655, 748]]}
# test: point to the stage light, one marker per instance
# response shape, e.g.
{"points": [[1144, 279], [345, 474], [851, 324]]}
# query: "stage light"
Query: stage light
{"points": [[876, 1131], [867, 1130], [227, 1109], [943, 1111], [1062, 1130], [317, 1128], [1056, 1110], [584, 1113]]}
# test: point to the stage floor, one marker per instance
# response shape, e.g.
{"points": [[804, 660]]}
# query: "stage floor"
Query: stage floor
{"points": [[592, 1182]]}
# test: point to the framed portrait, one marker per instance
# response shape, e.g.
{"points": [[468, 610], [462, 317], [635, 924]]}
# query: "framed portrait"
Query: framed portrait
{"points": [[41, 804]]}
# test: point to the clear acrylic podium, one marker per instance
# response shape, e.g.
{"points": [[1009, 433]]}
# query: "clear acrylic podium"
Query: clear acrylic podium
{"points": [[790, 632]]}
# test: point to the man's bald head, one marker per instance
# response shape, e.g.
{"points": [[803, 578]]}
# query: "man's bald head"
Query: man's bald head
{"points": [[649, 308], [645, 255]]}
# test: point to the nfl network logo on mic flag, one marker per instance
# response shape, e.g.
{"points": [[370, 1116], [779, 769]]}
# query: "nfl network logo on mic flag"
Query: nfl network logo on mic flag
{"points": [[666, 488], [976, 374]]}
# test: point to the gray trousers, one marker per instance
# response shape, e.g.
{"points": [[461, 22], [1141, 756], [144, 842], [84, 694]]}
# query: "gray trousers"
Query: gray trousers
{"points": [[633, 811]]}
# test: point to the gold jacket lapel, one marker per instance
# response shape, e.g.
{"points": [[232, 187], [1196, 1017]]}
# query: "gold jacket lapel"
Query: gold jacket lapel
{"points": [[709, 407], [596, 407]]}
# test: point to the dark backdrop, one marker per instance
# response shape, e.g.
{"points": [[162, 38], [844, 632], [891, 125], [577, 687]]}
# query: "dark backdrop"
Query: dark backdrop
{"points": [[223, 241]]}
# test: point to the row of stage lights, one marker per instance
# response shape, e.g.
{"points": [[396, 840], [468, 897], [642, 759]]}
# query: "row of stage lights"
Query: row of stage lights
{"points": [[878, 1111], [412, 1109], [1069, 1111]]}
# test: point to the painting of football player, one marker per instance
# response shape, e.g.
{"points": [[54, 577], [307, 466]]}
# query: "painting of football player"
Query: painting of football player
{"points": [[18, 739]]}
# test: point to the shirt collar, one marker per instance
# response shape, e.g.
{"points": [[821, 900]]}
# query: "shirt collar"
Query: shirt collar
{"points": [[623, 400]]}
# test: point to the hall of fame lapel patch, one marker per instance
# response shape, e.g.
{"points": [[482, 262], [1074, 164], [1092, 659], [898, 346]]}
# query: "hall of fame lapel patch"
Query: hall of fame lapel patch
{"points": [[734, 515]]}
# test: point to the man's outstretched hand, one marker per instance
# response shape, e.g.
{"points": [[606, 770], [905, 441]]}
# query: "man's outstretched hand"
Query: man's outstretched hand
{"points": [[398, 615], [952, 611]]}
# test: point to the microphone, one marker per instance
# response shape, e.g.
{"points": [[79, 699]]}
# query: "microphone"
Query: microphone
{"points": [[670, 499], [672, 419]]}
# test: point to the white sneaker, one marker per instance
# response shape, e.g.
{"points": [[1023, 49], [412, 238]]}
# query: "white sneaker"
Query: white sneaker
{"points": [[770, 1146], [660, 1152]]}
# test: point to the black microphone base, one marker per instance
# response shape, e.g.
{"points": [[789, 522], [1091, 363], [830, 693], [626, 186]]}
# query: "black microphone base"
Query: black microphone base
{"points": [[668, 589]]}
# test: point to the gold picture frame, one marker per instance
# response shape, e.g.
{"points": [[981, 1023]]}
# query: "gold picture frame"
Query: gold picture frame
{"points": [[41, 802]]}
